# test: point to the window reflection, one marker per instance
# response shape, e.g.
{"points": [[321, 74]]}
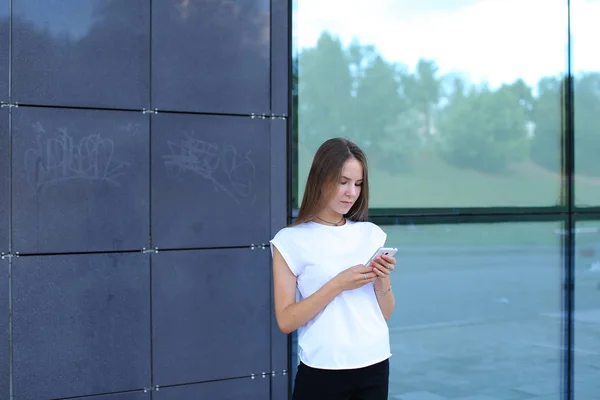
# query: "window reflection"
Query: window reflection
{"points": [[586, 87], [439, 94], [478, 311], [587, 309]]}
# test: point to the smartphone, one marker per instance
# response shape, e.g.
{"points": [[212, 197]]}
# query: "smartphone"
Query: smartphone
{"points": [[382, 251]]}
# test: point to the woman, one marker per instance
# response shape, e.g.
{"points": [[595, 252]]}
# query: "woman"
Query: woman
{"points": [[342, 305]]}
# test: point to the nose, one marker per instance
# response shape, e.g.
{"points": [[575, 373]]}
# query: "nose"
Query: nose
{"points": [[351, 191]]}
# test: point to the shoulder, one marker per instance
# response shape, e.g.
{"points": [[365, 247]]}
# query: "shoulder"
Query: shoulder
{"points": [[288, 242], [369, 226], [290, 232], [290, 237], [373, 231]]}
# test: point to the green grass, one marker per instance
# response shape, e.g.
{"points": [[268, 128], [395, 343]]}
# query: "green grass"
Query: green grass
{"points": [[434, 183]]}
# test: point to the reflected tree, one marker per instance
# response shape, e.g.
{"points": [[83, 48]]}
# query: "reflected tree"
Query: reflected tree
{"points": [[354, 92], [483, 129], [423, 90], [546, 145], [324, 92], [385, 123], [587, 124], [549, 123]]}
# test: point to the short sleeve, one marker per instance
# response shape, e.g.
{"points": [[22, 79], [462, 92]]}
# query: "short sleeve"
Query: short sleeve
{"points": [[283, 244], [378, 235]]}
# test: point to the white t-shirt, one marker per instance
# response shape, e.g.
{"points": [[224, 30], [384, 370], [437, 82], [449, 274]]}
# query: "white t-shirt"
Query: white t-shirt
{"points": [[350, 332]]}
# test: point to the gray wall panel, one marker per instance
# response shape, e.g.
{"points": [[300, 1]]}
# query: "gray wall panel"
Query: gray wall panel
{"points": [[211, 56], [280, 386], [80, 180], [4, 43], [235, 389], [210, 181], [94, 180], [82, 53], [4, 332], [280, 63], [121, 396], [81, 325], [278, 191], [210, 315], [4, 180]]}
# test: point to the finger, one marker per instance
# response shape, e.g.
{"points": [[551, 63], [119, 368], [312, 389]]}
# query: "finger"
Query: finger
{"points": [[383, 266], [366, 268], [363, 277], [371, 279], [382, 272], [366, 276], [389, 259], [388, 265]]}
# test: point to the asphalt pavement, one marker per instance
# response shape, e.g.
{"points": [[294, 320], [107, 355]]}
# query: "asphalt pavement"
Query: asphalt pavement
{"points": [[488, 325]]}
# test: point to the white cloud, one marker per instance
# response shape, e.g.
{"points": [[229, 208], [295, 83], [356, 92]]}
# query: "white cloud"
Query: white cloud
{"points": [[493, 40]]}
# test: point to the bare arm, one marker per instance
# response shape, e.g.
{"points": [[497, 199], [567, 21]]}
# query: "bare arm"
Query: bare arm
{"points": [[383, 266], [385, 296], [291, 314]]}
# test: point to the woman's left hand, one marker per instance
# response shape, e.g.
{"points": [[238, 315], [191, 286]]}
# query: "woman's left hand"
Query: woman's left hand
{"points": [[383, 265]]}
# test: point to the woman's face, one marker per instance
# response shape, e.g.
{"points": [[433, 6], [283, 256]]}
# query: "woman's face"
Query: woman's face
{"points": [[347, 189]]}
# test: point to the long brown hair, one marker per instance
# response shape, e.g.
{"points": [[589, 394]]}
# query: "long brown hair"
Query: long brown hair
{"points": [[325, 172]]}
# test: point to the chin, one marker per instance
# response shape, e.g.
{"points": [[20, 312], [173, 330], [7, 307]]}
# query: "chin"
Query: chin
{"points": [[338, 211], [345, 211]]}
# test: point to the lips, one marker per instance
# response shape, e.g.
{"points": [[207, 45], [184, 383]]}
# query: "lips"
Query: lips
{"points": [[347, 203]]}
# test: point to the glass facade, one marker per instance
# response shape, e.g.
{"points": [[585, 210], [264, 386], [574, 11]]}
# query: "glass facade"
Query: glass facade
{"points": [[481, 123]]}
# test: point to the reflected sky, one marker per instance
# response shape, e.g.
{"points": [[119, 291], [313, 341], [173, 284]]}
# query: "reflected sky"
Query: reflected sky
{"points": [[73, 18], [488, 40]]}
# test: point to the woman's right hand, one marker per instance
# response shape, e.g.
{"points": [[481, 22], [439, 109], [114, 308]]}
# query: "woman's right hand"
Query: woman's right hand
{"points": [[355, 277]]}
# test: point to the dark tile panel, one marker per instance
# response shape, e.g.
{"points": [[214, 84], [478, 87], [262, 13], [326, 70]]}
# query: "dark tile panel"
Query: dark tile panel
{"points": [[234, 389], [81, 325], [280, 67], [4, 42], [280, 386], [4, 180], [211, 315], [210, 181], [80, 180], [278, 191], [141, 395], [4, 330], [82, 53], [211, 56]]}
